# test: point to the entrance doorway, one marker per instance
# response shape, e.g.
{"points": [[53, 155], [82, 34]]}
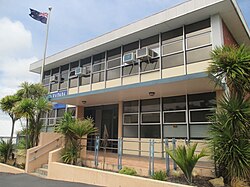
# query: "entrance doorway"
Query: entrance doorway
{"points": [[104, 116]]}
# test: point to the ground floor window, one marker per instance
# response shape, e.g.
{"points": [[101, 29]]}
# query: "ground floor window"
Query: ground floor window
{"points": [[184, 116]]}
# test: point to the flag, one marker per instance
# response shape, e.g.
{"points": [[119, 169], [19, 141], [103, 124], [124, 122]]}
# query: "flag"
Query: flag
{"points": [[39, 16]]}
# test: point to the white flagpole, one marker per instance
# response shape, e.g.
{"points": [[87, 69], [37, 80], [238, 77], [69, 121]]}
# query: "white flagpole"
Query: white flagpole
{"points": [[45, 48]]}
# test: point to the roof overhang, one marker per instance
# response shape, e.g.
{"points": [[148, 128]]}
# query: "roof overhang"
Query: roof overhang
{"points": [[181, 85], [182, 14]]}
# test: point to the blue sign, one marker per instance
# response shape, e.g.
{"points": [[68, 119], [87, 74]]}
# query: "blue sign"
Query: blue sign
{"points": [[55, 95]]}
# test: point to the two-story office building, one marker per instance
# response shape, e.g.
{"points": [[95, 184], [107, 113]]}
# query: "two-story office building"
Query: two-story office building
{"points": [[147, 79]]}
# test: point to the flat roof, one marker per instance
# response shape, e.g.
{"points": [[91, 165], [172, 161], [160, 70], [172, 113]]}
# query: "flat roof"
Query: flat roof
{"points": [[177, 16]]}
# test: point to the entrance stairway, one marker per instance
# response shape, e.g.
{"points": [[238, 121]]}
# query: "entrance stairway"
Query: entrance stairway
{"points": [[42, 171]]}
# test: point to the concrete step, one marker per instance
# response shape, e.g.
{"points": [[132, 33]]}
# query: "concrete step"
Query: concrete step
{"points": [[42, 171], [45, 166], [38, 175]]}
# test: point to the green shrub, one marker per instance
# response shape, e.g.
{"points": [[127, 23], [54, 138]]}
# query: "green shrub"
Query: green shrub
{"points": [[4, 148], [160, 175], [186, 159], [128, 171]]}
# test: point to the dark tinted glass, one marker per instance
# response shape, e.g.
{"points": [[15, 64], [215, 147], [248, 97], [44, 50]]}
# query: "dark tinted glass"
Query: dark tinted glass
{"points": [[174, 103], [60, 112], [150, 131], [150, 41], [152, 65], [85, 61], [73, 65], [114, 53], [150, 105], [204, 100], [131, 47], [174, 117], [98, 58], [197, 26], [130, 106], [151, 118], [130, 118], [172, 35], [200, 116]]}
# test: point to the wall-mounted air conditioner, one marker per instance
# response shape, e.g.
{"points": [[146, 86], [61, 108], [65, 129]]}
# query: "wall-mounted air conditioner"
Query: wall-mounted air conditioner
{"points": [[129, 58], [72, 74], [144, 54], [78, 71], [54, 78], [82, 71]]}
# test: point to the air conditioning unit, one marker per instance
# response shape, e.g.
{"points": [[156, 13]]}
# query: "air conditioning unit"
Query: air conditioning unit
{"points": [[72, 74], [54, 78], [144, 54], [129, 58], [82, 71], [78, 71]]}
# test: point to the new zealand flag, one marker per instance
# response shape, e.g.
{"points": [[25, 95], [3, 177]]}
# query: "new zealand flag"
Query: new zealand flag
{"points": [[39, 16]]}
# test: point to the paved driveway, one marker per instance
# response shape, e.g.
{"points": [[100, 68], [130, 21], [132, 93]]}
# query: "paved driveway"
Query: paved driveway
{"points": [[25, 180]]}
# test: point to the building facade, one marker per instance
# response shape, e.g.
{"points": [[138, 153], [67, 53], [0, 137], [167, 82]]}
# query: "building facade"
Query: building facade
{"points": [[148, 79]]}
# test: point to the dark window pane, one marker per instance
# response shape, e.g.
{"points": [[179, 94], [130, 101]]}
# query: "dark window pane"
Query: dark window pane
{"points": [[150, 131], [43, 121], [152, 65], [130, 118], [114, 63], [130, 106], [150, 41], [199, 131], [85, 61], [198, 55], [60, 112], [55, 71], [174, 117], [114, 53], [203, 100], [73, 82], [175, 131], [113, 74], [150, 105], [174, 103], [151, 118], [198, 26], [98, 58], [173, 35], [84, 80], [98, 77], [173, 61], [65, 68], [131, 47], [172, 47], [73, 65], [130, 131], [46, 74], [130, 69], [200, 115]]}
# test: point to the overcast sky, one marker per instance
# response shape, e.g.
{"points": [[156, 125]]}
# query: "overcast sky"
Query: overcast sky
{"points": [[72, 22]]}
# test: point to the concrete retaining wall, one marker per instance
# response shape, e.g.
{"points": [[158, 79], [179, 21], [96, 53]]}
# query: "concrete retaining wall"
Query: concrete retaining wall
{"points": [[10, 169]]}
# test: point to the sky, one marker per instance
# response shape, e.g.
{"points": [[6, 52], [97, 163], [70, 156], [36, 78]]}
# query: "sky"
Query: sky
{"points": [[72, 22]]}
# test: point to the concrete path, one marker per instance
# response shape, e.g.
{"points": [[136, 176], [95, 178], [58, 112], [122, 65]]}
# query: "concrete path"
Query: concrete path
{"points": [[25, 180]]}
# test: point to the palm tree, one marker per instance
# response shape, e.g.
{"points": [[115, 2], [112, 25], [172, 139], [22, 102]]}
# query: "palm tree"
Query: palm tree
{"points": [[230, 128], [32, 106], [5, 148], [7, 105], [74, 130], [232, 64]]}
